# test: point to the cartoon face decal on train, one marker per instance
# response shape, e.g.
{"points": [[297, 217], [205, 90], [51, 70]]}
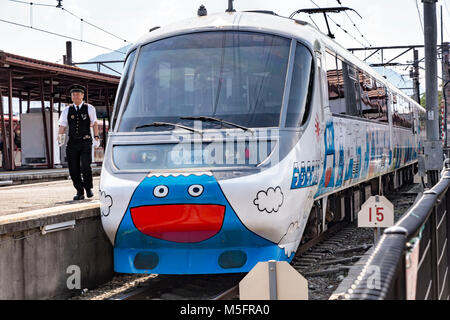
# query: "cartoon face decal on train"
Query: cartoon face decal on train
{"points": [[178, 208], [176, 219]]}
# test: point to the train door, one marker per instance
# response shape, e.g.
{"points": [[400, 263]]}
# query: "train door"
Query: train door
{"points": [[415, 125], [323, 86], [324, 111], [325, 116], [329, 87], [390, 100]]}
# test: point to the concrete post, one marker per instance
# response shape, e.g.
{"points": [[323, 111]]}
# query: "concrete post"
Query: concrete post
{"points": [[430, 34], [433, 146]]}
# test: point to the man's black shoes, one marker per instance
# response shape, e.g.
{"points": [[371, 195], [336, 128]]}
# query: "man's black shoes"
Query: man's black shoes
{"points": [[89, 193], [79, 197]]}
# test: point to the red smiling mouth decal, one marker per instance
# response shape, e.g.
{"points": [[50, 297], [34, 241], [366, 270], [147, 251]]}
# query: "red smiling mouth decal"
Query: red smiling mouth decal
{"points": [[179, 222]]}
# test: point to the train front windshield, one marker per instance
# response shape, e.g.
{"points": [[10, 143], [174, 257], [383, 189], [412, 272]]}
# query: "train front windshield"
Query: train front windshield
{"points": [[235, 76]]}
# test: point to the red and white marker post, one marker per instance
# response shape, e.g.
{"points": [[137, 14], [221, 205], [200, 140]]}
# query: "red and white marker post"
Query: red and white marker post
{"points": [[377, 212]]}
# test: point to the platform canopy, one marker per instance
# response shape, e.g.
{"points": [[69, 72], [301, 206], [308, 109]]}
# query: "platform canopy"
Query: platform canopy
{"points": [[30, 79], [26, 74]]}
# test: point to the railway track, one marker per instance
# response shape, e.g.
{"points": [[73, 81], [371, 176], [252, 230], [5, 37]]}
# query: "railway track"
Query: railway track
{"points": [[327, 262], [321, 257], [211, 287], [191, 287]]}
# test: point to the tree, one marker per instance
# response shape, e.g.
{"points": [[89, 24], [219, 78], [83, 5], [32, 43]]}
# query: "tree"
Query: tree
{"points": [[423, 99]]}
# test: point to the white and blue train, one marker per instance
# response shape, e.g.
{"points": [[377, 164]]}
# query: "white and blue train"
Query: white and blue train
{"points": [[238, 136]]}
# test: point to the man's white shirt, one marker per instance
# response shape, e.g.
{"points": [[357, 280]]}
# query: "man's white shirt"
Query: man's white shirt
{"points": [[91, 111]]}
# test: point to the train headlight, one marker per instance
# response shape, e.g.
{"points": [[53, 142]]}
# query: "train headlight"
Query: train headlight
{"points": [[189, 155], [142, 156], [148, 156]]}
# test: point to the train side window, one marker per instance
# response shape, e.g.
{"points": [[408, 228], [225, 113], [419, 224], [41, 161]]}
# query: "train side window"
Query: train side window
{"points": [[301, 86], [402, 116], [414, 116], [122, 86], [357, 93], [351, 88], [406, 114], [382, 100], [395, 115], [369, 108], [335, 84], [422, 128], [373, 99]]}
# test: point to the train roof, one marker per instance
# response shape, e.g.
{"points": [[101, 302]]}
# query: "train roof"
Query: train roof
{"points": [[265, 22], [239, 21]]}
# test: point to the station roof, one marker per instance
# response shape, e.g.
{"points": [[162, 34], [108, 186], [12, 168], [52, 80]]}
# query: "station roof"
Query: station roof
{"points": [[27, 73]]}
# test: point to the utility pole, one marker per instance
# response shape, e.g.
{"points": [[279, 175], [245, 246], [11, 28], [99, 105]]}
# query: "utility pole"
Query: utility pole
{"points": [[445, 80], [433, 146], [68, 53], [415, 76]]}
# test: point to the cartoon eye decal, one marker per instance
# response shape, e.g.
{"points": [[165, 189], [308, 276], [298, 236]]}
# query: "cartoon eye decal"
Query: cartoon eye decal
{"points": [[195, 190], [160, 191]]}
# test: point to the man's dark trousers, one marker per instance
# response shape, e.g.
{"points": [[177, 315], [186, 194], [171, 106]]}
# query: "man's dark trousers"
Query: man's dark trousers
{"points": [[78, 152]]}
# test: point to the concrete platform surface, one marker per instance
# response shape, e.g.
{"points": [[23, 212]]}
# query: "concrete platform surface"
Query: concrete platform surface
{"points": [[38, 175], [22, 198]]}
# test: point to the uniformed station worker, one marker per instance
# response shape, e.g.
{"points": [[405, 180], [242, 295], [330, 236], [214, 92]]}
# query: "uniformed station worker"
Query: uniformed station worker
{"points": [[79, 117]]}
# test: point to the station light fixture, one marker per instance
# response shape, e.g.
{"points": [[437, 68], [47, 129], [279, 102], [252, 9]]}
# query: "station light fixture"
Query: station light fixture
{"points": [[58, 227]]}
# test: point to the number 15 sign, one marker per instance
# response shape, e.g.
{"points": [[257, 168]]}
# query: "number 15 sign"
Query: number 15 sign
{"points": [[376, 212]]}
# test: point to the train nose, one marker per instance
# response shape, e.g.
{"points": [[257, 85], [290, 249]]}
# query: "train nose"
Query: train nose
{"points": [[184, 223]]}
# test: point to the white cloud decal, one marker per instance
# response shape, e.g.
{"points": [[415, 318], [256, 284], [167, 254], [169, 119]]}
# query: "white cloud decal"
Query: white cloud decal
{"points": [[105, 203], [270, 200]]}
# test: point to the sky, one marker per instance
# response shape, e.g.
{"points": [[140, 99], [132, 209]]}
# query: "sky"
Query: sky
{"points": [[383, 23]]}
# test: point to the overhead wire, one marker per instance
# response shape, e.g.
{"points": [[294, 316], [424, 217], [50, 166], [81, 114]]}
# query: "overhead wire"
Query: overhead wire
{"points": [[339, 26], [93, 25], [448, 12], [420, 17], [74, 15], [33, 3], [60, 35], [339, 2], [354, 24]]}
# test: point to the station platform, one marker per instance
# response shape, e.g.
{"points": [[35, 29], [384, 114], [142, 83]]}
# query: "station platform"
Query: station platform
{"points": [[46, 236], [8, 178], [26, 197]]}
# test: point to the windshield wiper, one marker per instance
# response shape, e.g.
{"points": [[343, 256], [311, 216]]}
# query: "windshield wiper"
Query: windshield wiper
{"points": [[168, 124], [212, 119]]}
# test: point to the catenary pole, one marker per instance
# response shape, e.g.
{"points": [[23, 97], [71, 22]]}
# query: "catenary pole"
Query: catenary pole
{"points": [[433, 147]]}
